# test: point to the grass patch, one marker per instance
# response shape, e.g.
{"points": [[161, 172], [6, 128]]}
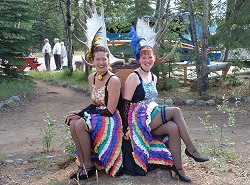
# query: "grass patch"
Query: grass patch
{"points": [[39, 54], [227, 90], [181, 92], [23, 86], [229, 155], [44, 163], [65, 77], [2, 158], [216, 89]]}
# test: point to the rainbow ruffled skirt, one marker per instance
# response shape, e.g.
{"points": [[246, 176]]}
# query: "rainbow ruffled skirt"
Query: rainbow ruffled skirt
{"points": [[147, 148]]}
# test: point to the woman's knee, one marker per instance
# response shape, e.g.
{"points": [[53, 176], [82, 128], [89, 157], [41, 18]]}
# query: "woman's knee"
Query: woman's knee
{"points": [[172, 127], [175, 111], [79, 126], [72, 125]]}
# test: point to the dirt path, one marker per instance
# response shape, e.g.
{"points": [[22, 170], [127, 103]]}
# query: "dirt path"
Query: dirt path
{"points": [[26, 123], [20, 137]]}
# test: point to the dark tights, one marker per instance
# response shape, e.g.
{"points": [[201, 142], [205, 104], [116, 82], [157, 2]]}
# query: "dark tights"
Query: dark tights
{"points": [[177, 130], [82, 140]]}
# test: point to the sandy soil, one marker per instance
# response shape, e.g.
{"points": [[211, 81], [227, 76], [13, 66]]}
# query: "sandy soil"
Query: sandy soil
{"points": [[20, 136]]}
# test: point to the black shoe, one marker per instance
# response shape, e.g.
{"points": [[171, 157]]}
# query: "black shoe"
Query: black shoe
{"points": [[197, 159], [182, 178], [81, 175], [74, 175]]}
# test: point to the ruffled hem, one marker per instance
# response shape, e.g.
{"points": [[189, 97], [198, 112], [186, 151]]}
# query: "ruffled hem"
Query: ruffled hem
{"points": [[146, 147], [106, 139]]}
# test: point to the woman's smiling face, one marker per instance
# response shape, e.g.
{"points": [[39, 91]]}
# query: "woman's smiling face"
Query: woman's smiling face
{"points": [[101, 61], [147, 58]]}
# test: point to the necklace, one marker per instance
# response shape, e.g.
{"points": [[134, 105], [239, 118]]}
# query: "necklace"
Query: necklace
{"points": [[144, 70], [100, 77]]}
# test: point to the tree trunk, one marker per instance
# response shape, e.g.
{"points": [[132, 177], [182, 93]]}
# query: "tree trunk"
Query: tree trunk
{"points": [[193, 27], [229, 15], [203, 81], [162, 9], [69, 34], [201, 62]]}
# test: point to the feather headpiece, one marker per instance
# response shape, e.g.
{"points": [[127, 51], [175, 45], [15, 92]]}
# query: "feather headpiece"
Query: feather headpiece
{"points": [[147, 35], [96, 41], [135, 39], [94, 29]]}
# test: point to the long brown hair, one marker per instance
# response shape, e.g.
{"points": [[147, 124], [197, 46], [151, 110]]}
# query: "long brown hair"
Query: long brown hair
{"points": [[145, 50], [101, 49]]}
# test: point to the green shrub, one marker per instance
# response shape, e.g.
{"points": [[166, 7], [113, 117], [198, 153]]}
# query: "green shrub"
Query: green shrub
{"points": [[2, 158], [234, 79], [216, 132], [67, 143], [229, 155], [48, 132]]}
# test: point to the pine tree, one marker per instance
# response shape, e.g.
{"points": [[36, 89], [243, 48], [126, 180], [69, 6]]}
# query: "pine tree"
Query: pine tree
{"points": [[15, 28]]}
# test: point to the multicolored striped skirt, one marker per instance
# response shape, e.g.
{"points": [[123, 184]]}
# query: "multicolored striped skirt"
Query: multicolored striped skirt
{"points": [[106, 140], [147, 148]]}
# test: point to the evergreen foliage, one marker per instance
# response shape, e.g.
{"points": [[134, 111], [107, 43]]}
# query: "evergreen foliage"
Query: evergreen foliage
{"points": [[48, 23], [14, 33], [233, 27], [123, 14]]}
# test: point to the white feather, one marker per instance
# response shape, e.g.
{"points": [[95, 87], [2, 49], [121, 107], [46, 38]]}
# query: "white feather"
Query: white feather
{"points": [[94, 23], [146, 32]]}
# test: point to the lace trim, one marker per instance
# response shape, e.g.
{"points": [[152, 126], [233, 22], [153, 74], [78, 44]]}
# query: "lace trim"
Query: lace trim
{"points": [[98, 95]]}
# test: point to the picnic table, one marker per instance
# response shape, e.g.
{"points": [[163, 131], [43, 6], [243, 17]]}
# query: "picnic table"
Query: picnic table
{"points": [[30, 62]]}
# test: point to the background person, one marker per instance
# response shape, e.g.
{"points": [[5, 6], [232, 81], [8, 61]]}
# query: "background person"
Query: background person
{"points": [[46, 53], [63, 55], [57, 53]]}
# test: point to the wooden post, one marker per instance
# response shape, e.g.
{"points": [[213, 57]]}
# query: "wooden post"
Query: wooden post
{"points": [[185, 75]]}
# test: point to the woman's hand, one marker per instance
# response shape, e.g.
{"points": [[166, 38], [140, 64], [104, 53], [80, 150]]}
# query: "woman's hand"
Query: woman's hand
{"points": [[73, 112], [71, 116]]}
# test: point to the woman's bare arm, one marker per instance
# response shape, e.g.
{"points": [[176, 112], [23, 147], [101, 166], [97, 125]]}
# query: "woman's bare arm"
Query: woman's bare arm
{"points": [[130, 85], [91, 81], [114, 87]]}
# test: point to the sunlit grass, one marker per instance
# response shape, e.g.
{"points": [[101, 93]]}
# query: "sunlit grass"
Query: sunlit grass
{"points": [[39, 54], [15, 86], [2, 158], [65, 77]]}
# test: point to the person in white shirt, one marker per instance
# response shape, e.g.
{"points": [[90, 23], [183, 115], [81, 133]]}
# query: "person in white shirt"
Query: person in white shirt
{"points": [[46, 53], [63, 55], [57, 53]]}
